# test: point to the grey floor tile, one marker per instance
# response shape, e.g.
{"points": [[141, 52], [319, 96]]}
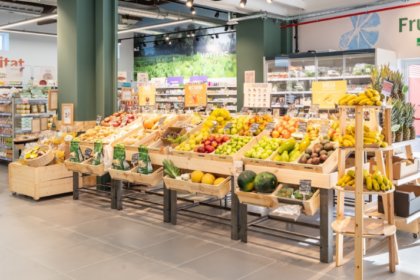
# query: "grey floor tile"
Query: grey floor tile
{"points": [[178, 250], [226, 264], [80, 216], [103, 227], [138, 237], [128, 267], [174, 274], [78, 256]]}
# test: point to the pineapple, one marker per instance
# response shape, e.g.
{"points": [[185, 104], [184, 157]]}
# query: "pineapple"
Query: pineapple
{"points": [[412, 132], [398, 135], [396, 120], [409, 129]]}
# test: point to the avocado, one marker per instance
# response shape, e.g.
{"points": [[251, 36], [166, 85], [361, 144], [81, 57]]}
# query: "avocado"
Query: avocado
{"points": [[328, 147], [308, 151], [323, 142]]}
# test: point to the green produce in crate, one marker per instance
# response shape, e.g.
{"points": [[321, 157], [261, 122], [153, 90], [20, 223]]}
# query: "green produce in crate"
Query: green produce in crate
{"points": [[287, 145], [263, 149], [246, 180], [265, 182]]}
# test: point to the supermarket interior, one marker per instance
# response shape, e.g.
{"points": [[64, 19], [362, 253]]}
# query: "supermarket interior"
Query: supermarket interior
{"points": [[207, 139]]}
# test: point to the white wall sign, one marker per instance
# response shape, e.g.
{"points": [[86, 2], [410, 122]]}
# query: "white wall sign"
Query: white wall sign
{"points": [[142, 77], [249, 77], [122, 76]]}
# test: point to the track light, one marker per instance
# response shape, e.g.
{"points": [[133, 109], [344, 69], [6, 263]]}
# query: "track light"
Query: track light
{"points": [[192, 10], [217, 14], [192, 33], [242, 3], [197, 39], [217, 36], [144, 45], [119, 42], [189, 3], [167, 38], [170, 43], [232, 27], [212, 37], [269, 1], [226, 28]]}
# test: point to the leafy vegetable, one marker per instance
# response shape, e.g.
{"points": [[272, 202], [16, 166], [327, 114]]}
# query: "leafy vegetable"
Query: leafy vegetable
{"points": [[171, 169]]}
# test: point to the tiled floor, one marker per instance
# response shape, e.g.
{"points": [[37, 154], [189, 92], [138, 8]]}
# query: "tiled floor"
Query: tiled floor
{"points": [[59, 239]]}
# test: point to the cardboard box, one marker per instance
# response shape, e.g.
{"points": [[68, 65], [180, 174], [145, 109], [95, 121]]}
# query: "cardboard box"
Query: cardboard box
{"points": [[401, 170], [406, 201], [164, 137]]}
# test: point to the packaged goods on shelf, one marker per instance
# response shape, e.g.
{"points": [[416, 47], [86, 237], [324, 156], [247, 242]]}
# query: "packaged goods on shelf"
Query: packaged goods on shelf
{"points": [[5, 108]]}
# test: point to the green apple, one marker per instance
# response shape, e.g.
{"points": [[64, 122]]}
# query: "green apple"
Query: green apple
{"points": [[264, 138], [248, 154], [254, 154], [275, 146], [264, 155], [256, 146], [269, 152]]}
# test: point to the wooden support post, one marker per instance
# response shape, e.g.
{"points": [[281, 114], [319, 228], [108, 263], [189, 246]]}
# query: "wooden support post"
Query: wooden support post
{"points": [[113, 195], [359, 197], [75, 185], [118, 195], [326, 232]]}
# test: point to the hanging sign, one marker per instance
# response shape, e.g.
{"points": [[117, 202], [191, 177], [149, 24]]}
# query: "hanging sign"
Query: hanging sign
{"points": [[67, 115], [126, 94], [387, 88], [327, 93], [147, 95], [195, 95]]}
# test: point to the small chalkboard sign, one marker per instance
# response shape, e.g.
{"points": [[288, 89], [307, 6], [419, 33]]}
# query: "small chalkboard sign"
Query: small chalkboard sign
{"points": [[98, 119], [270, 126], [135, 159], [305, 187], [254, 127], [302, 127], [87, 154], [227, 126], [314, 109], [324, 129]]}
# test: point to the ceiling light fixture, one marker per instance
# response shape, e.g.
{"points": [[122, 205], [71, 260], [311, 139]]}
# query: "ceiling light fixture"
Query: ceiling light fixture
{"points": [[192, 33], [31, 33], [167, 38], [119, 42], [217, 14], [192, 10], [189, 3], [242, 3], [269, 1], [27, 21], [170, 43], [153, 26], [217, 36]]}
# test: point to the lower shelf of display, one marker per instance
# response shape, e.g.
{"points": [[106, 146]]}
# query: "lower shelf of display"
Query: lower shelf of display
{"points": [[5, 158], [405, 143], [365, 191], [372, 228], [406, 180], [368, 149], [6, 147]]}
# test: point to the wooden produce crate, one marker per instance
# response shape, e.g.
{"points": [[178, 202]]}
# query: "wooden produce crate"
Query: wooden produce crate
{"points": [[258, 199], [309, 206], [319, 122], [279, 164], [218, 191], [86, 168], [133, 177], [239, 154], [42, 181], [327, 167]]}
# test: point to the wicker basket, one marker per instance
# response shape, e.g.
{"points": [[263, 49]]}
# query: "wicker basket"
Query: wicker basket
{"points": [[43, 160]]}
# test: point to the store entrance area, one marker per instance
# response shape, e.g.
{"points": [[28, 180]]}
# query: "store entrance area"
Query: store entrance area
{"points": [[59, 238]]}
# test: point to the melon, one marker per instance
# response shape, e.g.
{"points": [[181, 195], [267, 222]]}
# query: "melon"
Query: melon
{"points": [[265, 182], [246, 180]]}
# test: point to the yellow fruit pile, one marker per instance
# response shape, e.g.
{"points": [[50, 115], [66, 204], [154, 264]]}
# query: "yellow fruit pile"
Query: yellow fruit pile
{"points": [[369, 97], [375, 181], [221, 116], [208, 179], [369, 137]]}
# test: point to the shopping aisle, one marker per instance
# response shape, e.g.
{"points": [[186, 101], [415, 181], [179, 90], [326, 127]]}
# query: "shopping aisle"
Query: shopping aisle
{"points": [[58, 239]]}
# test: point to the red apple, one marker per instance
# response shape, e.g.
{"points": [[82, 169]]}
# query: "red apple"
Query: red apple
{"points": [[211, 138], [225, 138], [219, 140], [209, 149], [201, 149], [207, 143], [214, 144]]}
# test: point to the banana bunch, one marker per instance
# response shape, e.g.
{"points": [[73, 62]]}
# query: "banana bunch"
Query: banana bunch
{"points": [[369, 97], [378, 182], [369, 137]]}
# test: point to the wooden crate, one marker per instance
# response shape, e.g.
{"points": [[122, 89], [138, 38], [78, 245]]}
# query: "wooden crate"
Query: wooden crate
{"points": [[239, 154], [327, 167], [85, 167], [42, 181], [267, 200], [211, 166], [218, 191], [133, 177], [309, 206]]}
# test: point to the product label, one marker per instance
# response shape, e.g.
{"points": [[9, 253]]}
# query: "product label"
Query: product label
{"points": [[305, 187], [270, 126], [302, 127], [324, 129], [87, 154], [254, 127], [135, 159]]}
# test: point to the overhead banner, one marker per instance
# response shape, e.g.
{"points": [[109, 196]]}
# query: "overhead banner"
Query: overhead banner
{"points": [[327, 94], [195, 95], [147, 95]]}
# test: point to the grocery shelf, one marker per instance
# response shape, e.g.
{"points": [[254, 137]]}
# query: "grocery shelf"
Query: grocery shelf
{"points": [[291, 92], [20, 100], [25, 130], [34, 115], [349, 189], [177, 101], [222, 94], [405, 143], [5, 158], [5, 135], [332, 78], [11, 86], [285, 106], [5, 114], [357, 77], [292, 79], [169, 87], [5, 101], [372, 228], [5, 125], [364, 107], [221, 86], [7, 147], [368, 149], [170, 94], [406, 179]]}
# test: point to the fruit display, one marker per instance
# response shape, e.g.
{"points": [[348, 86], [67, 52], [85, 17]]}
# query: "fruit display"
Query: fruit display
{"points": [[35, 152], [288, 192], [289, 151], [319, 153], [202, 142], [285, 127], [369, 97], [375, 181], [170, 169], [264, 148], [208, 178], [96, 133], [242, 125], [135, 137], [220, 116], [264, 182], [231, 147], [369, 137], [119, 119], [334, 131], [313, 131]]}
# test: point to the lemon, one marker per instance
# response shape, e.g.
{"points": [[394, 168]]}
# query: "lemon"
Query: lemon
{"points": [[196, 176], [208, 179], [220, 119], [218, 181]]}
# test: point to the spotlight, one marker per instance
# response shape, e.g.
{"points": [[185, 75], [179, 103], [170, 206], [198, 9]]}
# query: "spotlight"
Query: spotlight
{"points": [[217, 36], [170, 43], [119, 42], [192, 10], [269, 1], [242, 3], [226, 28], [232, 27], [167, 38], [144, 45], [197, 39], [188, 34], [192, 34], [189, 3], [217, 14], [212, 37]]}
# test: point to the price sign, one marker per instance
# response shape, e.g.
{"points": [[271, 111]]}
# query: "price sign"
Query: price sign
{"points": [[387, 88], [88, 152], [214, 125], [244, 110], [227, 126], [270, 126], [67, 114], [124, 121], [314, 109], [291, 107], [324, 129], [254, 127], [98, 119], [293, 113], [147, 108], [135, 159], [305, 187], [122, 107], [262, 112], [181, 106], [302, 127], [209, 107], [126, 94], [161, 121], [220, 105]]}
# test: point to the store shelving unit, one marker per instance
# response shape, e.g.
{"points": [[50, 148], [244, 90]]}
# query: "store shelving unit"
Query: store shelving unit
{"points": [[289, 72]]}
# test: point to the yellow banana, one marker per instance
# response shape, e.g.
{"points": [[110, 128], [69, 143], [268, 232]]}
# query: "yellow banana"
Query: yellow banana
{"points": [[378, 103], [364, 101], [375, 185], [366, 128], [369, 183], [351, 173], [374, 99]]}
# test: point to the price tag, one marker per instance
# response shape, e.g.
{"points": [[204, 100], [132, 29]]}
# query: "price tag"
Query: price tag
{"points": [[244, 110], [302, 127], [220, 105], [305, 187], [262, 112], [98, 119], [126, 94], [122, 107], [324, 129], [135, 159], [124, 121], [270, 126], [178, 123], [387, 88], [88, 152], [254, 127], [227, 126], [168, 107], [181, 106], [314, 109], [209, 107], [147, 108], [291, 107], [214, 125], [161, 121], [293, 113]]}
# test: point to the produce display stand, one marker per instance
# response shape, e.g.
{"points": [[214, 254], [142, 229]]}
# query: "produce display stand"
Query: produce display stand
{"points": [[360, 226]]}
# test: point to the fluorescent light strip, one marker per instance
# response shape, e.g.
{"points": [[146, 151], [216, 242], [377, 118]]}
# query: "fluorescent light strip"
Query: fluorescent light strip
{"points": [[27, 21], [31, 33], [154, 26]]}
